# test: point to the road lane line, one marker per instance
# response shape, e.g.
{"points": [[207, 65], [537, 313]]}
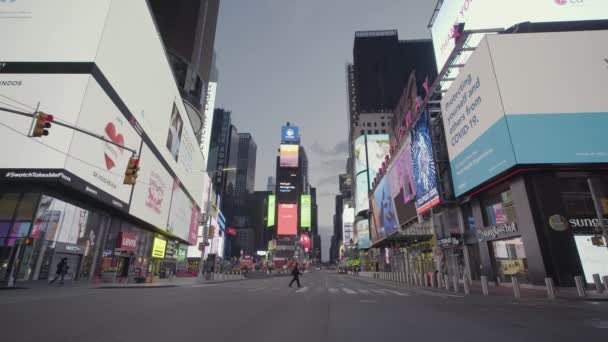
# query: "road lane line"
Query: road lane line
{"points": [[379, 292], [363, 291], [348, 291], [396, 292]]}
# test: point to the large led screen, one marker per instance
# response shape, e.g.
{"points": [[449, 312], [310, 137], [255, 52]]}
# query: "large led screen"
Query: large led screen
{"points": [[290, 134], [289, 156], [305, 211], [378, 146], [362, 230], [384, 212], [287, 186], [502, 111], [288, 219], [271, 210], [423, 165], [402, 187], [490, 14], [348, 219]]}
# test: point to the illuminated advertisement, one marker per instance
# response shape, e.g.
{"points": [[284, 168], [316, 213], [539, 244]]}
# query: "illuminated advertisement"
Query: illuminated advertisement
{"points": [[378, 146], [289, 156], [423, 165], [305, 211], [208, 118], [288, 219], [290, 134], [346, 183], [593, 258], [383, 209], [492, 118], [158, 248], [401, 181], [362, 230], [348, 218], [491, 14], [271, 210], [287, 191], [305, 241]]}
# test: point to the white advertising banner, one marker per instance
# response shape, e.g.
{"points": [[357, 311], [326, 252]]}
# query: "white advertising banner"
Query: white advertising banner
{"points": [[99, 163], [208, 119], [60, 95], [152, 193], [180, 214], [51, 31], [348, 219], [490, 14]]}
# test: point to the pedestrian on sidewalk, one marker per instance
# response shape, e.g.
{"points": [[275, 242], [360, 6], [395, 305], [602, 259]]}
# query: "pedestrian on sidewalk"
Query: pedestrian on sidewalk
{"points": [[62, 270], [295, 273]]}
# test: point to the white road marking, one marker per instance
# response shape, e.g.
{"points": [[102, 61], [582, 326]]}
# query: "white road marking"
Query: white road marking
{"points": [[397, 293], [302, 290], [364, 291], [380, 292], [348, 291], [367, 301], [332, 290]]}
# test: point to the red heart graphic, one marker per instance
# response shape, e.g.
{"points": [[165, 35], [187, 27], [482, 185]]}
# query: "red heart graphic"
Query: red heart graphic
{"points": [[109, 162]]}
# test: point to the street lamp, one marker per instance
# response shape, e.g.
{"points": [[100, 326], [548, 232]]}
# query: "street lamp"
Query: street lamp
{"points": [[208, 216]]}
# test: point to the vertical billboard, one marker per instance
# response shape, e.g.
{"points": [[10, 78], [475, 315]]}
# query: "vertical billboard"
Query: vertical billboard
{"points": [[383, 209], [305, 211], [491, 14], [288, 219], [208, 119], [271, 210], [346, 183], [362, 230], [289, 156], [401, 180], [287, 185], [348, 219], [290, 134], [423, 165], [378, 146], [501, 111]]}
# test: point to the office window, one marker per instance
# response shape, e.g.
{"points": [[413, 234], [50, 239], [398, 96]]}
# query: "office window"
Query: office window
{"points": [[383, 131], [362, 131], [369, 124], [375, 124], [383, 124], [376, 132], [369, 131]]}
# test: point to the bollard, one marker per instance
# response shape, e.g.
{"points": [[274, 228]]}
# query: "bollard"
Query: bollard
{"points": [[550, 288], [516, 291], [426, 280], [433, 281], [467, 286], [455, 280], [420, 279], [606, 285], [580, 288], [439, 283], [598, 283], [446, 281], [484, 285]]}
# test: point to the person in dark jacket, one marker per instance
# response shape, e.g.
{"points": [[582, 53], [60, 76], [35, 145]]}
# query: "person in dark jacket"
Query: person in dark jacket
{"points": [[62, 270], [295, 273]]}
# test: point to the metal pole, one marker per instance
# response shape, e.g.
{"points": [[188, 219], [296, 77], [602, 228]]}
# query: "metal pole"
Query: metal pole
{"points": [[599, 210], [516, 290], [484, 285], [205, 229], [467, 286], [550, 288], [606, 284], [455, 280], [598, 283], [580, 288]]}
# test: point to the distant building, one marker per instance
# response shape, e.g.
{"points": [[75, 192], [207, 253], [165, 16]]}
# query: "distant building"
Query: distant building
{"points": [[270, 186]]}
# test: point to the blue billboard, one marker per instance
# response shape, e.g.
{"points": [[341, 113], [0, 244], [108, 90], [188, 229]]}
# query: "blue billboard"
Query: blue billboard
{"points": [[423, 164], [385, 215], [290, 134]]}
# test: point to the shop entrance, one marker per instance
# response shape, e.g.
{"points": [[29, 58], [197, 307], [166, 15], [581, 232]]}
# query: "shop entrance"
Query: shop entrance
{"points": [[73, 265]]}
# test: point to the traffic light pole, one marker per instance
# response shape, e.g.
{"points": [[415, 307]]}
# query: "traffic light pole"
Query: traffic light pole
{"points": [[75, 128]]}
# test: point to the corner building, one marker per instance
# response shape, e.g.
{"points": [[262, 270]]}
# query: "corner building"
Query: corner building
{"points": [[62, 195]]}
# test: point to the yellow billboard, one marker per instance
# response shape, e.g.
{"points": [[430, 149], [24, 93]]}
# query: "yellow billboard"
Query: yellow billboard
{"points": [[158, 249]]}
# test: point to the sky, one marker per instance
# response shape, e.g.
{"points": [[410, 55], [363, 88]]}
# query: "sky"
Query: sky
{"points": [[285, 60]]}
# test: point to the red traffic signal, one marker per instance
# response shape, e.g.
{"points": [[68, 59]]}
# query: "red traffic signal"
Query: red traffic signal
{"points": [[131, 172], [42, 124]]}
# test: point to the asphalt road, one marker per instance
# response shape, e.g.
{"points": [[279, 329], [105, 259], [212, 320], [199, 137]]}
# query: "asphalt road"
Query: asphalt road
{"points": [[329, 307]]}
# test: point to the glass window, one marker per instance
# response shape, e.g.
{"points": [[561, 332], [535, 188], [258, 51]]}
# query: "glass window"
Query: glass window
{"points": [[369, 131], [369, 124], [8, 203], [383, 124], [375, 124], [376, 131], [27, 206], [509, 258], [499, 208], [362, 131]]}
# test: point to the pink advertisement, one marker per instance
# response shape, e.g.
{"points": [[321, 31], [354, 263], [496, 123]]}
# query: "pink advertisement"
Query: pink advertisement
{"points": [[193, 236]]}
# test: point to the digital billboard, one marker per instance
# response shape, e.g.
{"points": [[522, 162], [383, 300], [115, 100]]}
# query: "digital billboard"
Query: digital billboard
{"points": [[348, 219], [492, 14], [305, 211], [346, 183], [208, 119], [290, 134], [288, 219], [501, 112], [288, 156], [362, 230], [158, 248], [423, 166], [271, 210], [383, 209], [401, 181], [378, 146]]}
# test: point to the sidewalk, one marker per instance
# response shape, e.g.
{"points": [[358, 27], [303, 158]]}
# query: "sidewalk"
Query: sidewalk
{"points": [[503, 290]]}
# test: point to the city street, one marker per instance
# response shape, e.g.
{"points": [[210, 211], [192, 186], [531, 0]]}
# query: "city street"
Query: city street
{"points": [[328, 307]]}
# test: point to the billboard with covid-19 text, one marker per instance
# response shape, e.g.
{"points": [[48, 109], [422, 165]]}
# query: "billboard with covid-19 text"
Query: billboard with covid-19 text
{"points": [[501, 112], [498, 14]]}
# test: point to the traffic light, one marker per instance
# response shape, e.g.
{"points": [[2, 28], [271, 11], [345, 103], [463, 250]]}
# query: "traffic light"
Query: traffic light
{"points": [[43, 123], [131, 172], [27, 241]]}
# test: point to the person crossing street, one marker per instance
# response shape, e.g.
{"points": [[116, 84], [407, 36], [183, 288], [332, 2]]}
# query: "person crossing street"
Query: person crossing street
{"points": [[295, 273]]}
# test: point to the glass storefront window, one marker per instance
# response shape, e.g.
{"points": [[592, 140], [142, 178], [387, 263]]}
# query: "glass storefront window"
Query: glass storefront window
{"points": [[8, 203], [509, 258], [499, 208]]}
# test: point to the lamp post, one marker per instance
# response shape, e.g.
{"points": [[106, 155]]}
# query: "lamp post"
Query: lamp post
{"points": [[208, 217]]}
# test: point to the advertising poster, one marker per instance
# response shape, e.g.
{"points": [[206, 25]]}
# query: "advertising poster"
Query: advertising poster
{"points": [[100, 163], [174, 136], [180, 214], [378, 146], [287, 190], [423, 165], [289, 156], [208, 119], [271, 210], [153, 191], [492, 14], [346, 183], [158, 248], [362, 229], [288, 219], [305, 211], [290, 134], [384, 210], [305, 241], [348, 219]]}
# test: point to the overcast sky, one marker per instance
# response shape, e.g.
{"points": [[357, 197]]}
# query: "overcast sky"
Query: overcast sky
{"points": [[284, 60]]}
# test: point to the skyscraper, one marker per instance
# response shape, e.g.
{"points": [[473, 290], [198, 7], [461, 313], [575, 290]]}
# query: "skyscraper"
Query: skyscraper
{"points": [[245, 173], [219, 146]]}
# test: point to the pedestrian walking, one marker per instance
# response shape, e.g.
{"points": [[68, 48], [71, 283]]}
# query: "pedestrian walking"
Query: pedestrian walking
{"points": [[295, 273], [62, 270]]}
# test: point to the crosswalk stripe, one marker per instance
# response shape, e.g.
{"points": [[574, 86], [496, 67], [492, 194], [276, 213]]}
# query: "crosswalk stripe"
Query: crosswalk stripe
{"points": [[366, 292], [333, 290], [304, 289], [380, 292], [397, 293], [348, 291]]}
